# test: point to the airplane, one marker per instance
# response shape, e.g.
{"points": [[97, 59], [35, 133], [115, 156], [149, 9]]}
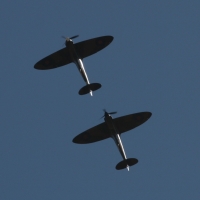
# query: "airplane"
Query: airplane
{"points": [[113, 128], [75, 53]]}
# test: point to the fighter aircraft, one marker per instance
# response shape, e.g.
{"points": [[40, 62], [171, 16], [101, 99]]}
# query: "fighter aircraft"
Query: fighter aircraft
{"points": [[113, 128], [75, 53]]}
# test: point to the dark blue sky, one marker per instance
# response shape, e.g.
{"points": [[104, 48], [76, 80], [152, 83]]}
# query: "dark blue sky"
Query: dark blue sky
{"points": [[151, 65]]}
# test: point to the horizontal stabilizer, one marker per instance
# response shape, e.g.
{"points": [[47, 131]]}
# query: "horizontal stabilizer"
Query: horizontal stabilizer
{"points": [[128, 162], [88, 88]]}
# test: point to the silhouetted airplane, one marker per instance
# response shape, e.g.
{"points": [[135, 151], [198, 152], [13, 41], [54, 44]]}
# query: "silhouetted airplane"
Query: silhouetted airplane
{"points": [[113, 128], [75, 53]]}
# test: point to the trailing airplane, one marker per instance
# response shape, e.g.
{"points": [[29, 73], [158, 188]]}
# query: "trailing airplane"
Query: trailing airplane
{"points": [[113, 128], [75, 53]]}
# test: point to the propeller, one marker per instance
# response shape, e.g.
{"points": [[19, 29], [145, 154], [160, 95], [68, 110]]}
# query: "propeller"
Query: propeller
{"points": [[106, 113], [70, 38], [67, 39]]}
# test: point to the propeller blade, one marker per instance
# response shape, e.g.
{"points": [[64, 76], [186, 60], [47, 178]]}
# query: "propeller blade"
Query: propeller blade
{"points": [[112, 113], [74, 37], [105, 112], [63, 37]]}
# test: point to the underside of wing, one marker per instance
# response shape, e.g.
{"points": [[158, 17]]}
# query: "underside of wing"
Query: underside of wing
{"points": [[57, 59], [129, 122], [95, 134], [89, 47]]}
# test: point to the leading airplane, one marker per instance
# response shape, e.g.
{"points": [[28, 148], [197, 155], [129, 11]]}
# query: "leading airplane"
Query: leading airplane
{"points": [[75, 53], [113, 128]]}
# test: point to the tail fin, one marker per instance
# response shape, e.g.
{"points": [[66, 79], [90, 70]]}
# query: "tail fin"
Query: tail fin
{"points": [[126, 163], [89, 88]]}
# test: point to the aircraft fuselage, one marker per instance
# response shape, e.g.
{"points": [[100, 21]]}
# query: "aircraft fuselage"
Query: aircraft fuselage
{"points": [[115, 135], [77, 60]]}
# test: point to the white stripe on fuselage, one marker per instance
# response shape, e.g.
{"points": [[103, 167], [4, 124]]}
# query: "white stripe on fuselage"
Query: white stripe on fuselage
{"points": [[81, 69]]}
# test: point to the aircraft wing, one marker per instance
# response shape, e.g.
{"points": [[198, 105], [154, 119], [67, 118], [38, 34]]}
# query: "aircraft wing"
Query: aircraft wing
{"points": [[129, 122], [83, 49], [57, 59], [89, 47], [95, 134]]}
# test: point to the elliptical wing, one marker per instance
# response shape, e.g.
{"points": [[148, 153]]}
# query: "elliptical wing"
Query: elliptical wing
{"points": [[128, 122], [92, 46], [95, 134], [57, 59]]}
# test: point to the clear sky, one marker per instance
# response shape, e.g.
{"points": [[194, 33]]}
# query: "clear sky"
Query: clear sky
{"points": [[153, 64]]}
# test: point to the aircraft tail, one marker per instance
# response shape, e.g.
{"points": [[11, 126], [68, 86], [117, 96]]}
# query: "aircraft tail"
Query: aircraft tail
{"points": [[89, 88], [126, 163]]}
